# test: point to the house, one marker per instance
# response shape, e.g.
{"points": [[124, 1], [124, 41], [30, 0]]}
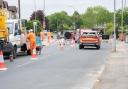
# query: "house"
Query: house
{"points": [[11, 10]]}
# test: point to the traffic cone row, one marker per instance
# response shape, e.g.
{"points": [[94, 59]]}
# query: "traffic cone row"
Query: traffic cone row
{"points": [[2, 64]]}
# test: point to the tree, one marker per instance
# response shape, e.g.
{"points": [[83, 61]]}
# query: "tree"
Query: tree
{"points": [[96, 16], [89, 18], [59, 21], [93, 17], [39, 15], [109, 28], [30, 25]]}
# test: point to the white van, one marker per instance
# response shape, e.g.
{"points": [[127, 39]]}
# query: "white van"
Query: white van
{"points": [[15, 37]]}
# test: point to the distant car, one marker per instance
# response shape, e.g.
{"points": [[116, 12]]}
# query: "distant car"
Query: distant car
{"points": [[68, 35], [89, 38]]}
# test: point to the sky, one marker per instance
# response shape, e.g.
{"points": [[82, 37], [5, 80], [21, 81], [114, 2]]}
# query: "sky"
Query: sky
{"points": [[52, 6]]}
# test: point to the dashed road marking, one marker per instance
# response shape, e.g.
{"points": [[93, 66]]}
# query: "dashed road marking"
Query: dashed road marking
{"points": [[30, 62]]}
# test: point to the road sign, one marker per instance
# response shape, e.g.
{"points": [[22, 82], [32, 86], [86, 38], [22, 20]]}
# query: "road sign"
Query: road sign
{"points": [[34, 26], [34, 23]]}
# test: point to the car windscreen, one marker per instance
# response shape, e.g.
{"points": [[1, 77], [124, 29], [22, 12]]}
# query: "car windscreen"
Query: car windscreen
{"points": [[10, 27], [89, 34]]}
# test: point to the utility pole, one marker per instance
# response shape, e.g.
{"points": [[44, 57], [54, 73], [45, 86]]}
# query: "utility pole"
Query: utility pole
{"points": [[125, 2], [122, 17], [114, 26], [19, 11], [35, 8], [44, 16], [35, 23], [127, 30]]}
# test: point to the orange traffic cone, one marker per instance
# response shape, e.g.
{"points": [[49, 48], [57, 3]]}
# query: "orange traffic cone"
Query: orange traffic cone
{"points": [[2, 64], [34, 56]]}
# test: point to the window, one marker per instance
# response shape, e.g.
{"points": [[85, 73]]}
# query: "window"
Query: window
{"points": [[89, 34], [16, 26], [10, 27]]}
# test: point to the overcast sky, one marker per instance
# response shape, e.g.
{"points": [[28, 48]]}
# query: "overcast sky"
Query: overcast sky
{"points": [[51, 6]]}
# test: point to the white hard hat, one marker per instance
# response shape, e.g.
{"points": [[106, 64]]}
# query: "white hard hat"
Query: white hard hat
{"points": [[30, 30]]}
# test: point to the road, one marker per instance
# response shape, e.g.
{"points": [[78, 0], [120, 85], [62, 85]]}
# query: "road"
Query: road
{"points": [[55, 69]]}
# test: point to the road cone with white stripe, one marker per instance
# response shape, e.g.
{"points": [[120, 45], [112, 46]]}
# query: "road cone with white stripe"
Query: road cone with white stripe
{"points": [[34, 56], [2, 64]]}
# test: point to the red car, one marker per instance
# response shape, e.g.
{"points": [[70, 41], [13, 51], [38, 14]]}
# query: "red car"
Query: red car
{"points": [[89, 38]]}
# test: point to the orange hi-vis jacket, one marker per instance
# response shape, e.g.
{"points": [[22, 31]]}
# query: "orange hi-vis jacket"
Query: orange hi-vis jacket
{"points": [[49, 36], [42, 35], [32, 39]]}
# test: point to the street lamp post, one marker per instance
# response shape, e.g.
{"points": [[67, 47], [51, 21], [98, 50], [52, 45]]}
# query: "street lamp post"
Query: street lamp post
{"points": [[114, 26], [35, 23], [35, 8], [19, 11], [122, 17], [44, 16]]}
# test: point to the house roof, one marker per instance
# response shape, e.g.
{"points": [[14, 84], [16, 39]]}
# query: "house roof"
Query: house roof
{"points": [[5, 4], [12, 8], [1, 3]]}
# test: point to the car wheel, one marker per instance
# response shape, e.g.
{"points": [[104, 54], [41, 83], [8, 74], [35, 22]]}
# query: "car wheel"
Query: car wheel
{"points": [[28, 52], [98, 47], [80, 46], [14, 53]]}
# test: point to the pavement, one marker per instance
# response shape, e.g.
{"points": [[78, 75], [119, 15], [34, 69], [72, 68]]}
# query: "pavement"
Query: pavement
{"points": [[115, 73]]}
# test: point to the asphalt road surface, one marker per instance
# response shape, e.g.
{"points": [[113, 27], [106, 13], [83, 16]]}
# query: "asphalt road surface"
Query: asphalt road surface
{"points": [[55, 69]]}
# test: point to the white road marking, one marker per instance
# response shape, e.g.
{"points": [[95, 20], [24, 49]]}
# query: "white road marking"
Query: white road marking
{"points": [[27, 63], [30, 62]]}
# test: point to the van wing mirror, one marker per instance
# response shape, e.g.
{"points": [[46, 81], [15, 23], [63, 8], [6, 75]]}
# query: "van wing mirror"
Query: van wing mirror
{"points": [[17, 32]]}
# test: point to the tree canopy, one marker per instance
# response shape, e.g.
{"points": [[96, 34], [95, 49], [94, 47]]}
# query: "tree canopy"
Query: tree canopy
{"points": [[94, 17]]}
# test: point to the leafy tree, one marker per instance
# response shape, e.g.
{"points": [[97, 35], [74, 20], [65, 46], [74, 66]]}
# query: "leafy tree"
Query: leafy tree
{"points": [[76, 19], [109, 28], [59, 21], [93, 17], [89, 18], [103, 15], [96, 16], [39, 15], [30, 25]]}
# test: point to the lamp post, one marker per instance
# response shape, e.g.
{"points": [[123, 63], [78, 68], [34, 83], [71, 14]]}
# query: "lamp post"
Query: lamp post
{"points": [[126, 29], [122, 17], [19, 11], [44, 16], [125, 3], [114, 26], [35, 8], [35, 23]]}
